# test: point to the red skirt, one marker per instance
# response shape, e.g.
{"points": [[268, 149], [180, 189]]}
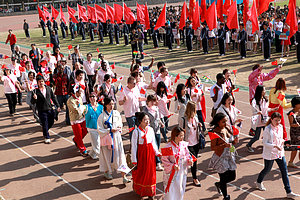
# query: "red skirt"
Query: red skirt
{"points": [[144, 177], [280, 110]]}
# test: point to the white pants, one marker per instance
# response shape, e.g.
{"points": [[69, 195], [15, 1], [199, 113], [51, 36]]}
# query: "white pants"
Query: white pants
{"points": [[95, 141]]}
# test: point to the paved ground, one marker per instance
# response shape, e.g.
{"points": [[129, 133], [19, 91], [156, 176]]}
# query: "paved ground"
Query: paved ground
{"points": [[32, 170]]}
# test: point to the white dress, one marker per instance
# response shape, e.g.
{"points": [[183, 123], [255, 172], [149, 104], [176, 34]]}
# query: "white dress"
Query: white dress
{"points": [[105, 155]]}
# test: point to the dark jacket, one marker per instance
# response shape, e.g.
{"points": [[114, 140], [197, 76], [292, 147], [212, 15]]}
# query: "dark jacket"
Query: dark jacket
{"points": [[42, 103]]}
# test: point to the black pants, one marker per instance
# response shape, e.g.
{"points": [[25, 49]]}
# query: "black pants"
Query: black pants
{"points": [[27, 33], [225, 178], [111, 39], [91, 82], [72, 34], [47, 120], [126, 38], [278, 44], [155, 40], [189, 43], [165, 128], [221, 46], [92, 35], [12, 102], [44, 31], [169, 42], [100, 35], [298, 52], [145, 38], [63, 32], [83, 35], [36, 66], [117, 37], [243, 48], [205, 45], [19, 92], [267, 49], [194, 150], [12, 48]]}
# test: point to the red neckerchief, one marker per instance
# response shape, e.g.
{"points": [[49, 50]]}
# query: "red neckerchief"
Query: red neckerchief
{"points": [[13, 83], [173, 169], [144, 136]]}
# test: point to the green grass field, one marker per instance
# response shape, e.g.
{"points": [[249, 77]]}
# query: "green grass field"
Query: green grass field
{"points": [[178, 61]]}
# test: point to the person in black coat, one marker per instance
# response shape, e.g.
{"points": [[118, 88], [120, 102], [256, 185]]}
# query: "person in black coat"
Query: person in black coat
{"points": [[126, 32], [267, 38], [117, 32], [189, 37], [91, 29], [42, 97], [297, 42], [204, 38], [43, 25], [242, 39], [54, 25], [71, 27], [133, 41], [154, 34], [221, 39], [26, 29], [110, 30], [35, 56], [49, 25], [54, 40], [81, 29], [100, 31], [169, 35], [63, 28]]}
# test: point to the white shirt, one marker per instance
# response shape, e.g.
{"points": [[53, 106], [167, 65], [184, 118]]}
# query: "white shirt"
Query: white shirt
{"points": [[278, 26], [233, 113], [143, 85], [15, 69], [273, 136], [43, 92], [9, 84], [221, 92], [101, 74], [131, 105], [166, 80], [90, 67]]}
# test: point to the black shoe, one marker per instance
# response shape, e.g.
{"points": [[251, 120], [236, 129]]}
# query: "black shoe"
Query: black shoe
{"points": [[197, 185], [20, 103], [227, 197], [217, 184]]}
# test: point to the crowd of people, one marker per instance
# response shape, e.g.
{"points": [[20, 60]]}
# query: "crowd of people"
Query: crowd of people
{"points": [[90, 92]]}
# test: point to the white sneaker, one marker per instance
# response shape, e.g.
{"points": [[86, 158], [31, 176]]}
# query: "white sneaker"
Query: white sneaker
{"points": [[159, 167], [47, 141], [261, 186], [292, 195]]}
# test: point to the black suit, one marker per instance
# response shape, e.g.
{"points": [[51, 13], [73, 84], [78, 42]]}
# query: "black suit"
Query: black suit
{"points": [[43, 25], [91, 30], [35, 57], [63, 29], [242, 38], [204, 38], [81, 30], [117, 32], [100, 31], [267, 37], [221, 40], [55, 26], [55, 41], [169, 35], [189, 38], [110, 31], [297, 40], [71, 27], [126, 32], [49, 26], [45, 110]]}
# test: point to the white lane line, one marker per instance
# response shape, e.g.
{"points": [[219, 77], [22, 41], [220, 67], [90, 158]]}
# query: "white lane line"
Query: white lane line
{"points": [[52, 172], [237, 187]]}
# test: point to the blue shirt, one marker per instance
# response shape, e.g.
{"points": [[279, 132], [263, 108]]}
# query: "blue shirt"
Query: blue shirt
{"points": [[91, 116]]}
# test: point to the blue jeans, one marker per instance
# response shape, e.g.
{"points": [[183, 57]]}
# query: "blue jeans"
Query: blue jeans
{"points": [[62, 99], [158, 140], [283, 169], [131, 122], [256, 136], [47, 120], [165, 129]]}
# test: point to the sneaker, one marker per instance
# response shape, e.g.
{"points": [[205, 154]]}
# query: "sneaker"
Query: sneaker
{"points": [[292, 165], [267, 60], [217, 184], [47, 141], [250, 149], [159, 167], [84, 153], [292, 195], [126, 180], [261, 186], [108, 176]]}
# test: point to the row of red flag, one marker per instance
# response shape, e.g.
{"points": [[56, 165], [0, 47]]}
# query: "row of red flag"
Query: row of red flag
{"points": [[196, 13]]}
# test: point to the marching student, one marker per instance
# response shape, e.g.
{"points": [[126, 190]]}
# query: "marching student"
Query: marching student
{"points": [[216, 93]]}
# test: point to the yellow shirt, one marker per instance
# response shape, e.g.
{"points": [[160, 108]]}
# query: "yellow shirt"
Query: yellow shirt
{"points": [[274, 100]]}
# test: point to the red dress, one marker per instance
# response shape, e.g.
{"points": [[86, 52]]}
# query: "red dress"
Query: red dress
{"points": [[285, 42], [144, 177]]}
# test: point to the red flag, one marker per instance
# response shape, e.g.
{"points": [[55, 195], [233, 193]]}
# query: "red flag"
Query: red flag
{"points": [[70, 47], [144, 54], [128, 15], [113, 80], [22, 69], [46, 13], [167, 151], [280, 96], [147, 20], [192, 5], [54, 12], [113, 66], [170, 96], [4, 67], [274, 62], [234, 71], [120, 78], [41, 14], [98, 50], [101, 13], [227, 5], [170, 115], [92, 14], [203, 10], [291, 114], [177, 78], [62, 16], [142, 91], [39, 74], [193, 157], [140, 15], [196, 17], [82, 13], [235, 131], [232, 18], [211, 16], [110, 12], [5, 57], [183, 16], [161, 19], [203, 106], [48, 45], [236, 90], [43, 63], [42, 52], [118, 15], [213, 136], [71, 12], [245, 12], [220, 10], [263, 5], [253, 17], [196, 90], [291, 18]]}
